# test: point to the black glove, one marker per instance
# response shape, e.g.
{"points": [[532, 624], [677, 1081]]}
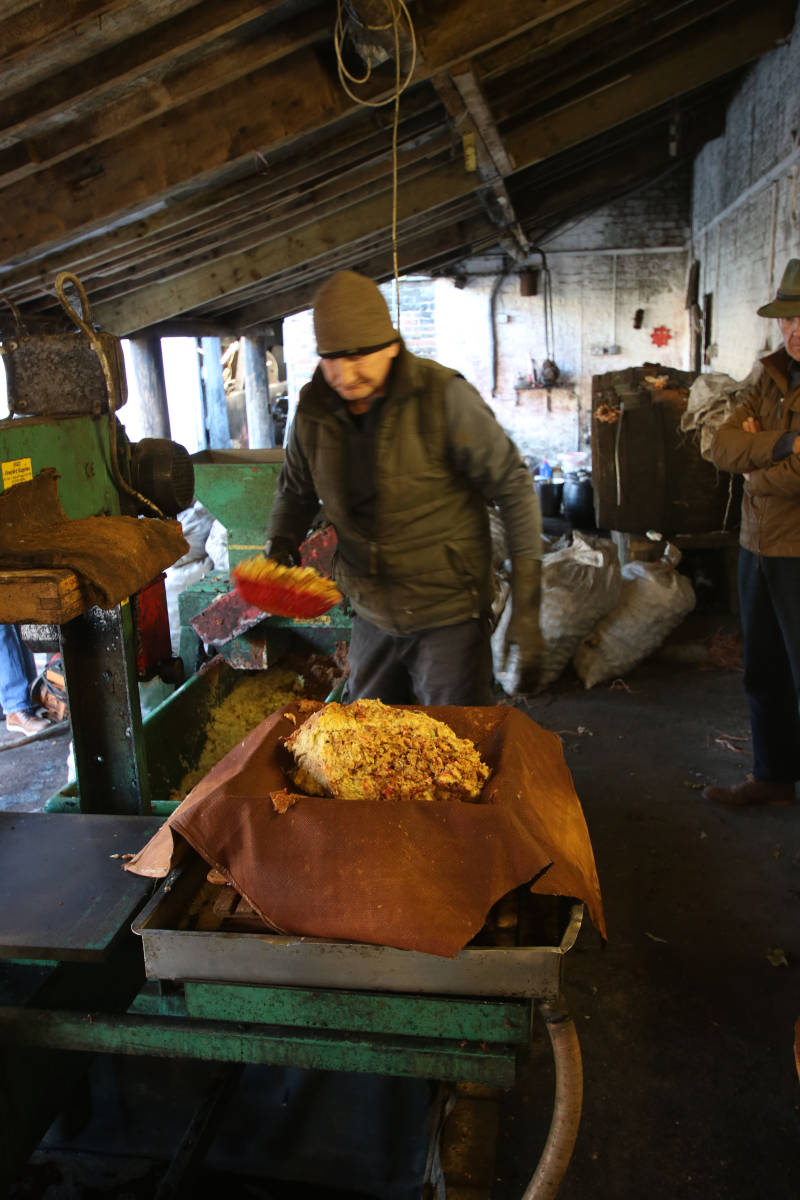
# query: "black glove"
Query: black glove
{"points": [[523, 629], [282, 550]]}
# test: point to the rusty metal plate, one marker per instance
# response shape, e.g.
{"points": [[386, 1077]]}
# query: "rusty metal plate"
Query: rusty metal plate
{"points": [[51, 374]]}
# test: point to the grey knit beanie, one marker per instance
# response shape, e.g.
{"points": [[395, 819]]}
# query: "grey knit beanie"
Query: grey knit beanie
{"points": [[351, 316]]}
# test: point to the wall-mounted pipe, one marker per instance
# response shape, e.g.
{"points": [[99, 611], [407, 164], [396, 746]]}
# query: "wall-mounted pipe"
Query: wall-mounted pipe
{"points": [[501, 278]]}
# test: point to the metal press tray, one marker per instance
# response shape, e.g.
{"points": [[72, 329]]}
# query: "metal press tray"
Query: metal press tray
{"points": [[176, 946]]}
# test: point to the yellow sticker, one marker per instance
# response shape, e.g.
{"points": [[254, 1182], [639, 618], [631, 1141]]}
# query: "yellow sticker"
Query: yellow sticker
{"points": [[17, 470]]}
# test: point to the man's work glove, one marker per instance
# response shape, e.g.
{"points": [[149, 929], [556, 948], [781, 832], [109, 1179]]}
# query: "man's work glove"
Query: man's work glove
{"points": [[282, 550], [523, 630]]}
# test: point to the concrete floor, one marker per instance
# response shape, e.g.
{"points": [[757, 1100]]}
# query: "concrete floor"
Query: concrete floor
{"points": [[685, 1017], [31, 772]]}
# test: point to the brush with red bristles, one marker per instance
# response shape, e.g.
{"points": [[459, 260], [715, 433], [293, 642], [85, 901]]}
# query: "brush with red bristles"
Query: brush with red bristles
{"points": [[284, 591]]}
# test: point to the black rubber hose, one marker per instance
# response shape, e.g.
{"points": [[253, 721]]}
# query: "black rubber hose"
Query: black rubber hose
{"points": [[567, 1105]]}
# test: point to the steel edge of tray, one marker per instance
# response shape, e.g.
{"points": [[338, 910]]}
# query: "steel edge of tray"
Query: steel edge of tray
{"points": [[300, 961]]}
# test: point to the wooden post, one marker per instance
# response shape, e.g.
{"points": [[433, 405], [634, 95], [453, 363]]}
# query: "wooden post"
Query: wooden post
{"points": [[219, 437], [261, 434], [148, 367]]}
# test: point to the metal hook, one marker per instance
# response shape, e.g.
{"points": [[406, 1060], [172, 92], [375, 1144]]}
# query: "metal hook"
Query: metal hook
{"points": [[84, 320], [16, 314]]}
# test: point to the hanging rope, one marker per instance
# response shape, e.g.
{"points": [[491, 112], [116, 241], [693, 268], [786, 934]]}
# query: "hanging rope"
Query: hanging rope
{"points": [[400, 15], [84, 322]]}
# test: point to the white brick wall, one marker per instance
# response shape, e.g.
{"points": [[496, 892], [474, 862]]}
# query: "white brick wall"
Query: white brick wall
{"points": [[745, 208], [595, 294], [625, 256]]}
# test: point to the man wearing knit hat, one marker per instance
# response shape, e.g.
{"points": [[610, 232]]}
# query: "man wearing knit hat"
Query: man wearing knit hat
{"points": [[406, 459], [761, 441]]}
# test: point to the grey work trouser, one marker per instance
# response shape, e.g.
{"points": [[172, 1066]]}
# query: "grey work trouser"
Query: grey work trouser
{"points": [[449, 665]]}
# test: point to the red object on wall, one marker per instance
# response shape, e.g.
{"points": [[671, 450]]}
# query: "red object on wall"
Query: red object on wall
{"points": [[661, 335]]}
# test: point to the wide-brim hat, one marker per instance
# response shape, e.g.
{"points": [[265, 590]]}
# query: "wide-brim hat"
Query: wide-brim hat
{"points": [[351, 316], [787, 297]]}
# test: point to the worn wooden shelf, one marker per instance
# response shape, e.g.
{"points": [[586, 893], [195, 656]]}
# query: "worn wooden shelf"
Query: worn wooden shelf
{"points": [[40, 596]]}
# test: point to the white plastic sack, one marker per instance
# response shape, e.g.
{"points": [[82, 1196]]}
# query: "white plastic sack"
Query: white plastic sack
{"points": [[196, 524], [580, 584], [654, 599], [178, 578], [217, 546], [712, 398]]}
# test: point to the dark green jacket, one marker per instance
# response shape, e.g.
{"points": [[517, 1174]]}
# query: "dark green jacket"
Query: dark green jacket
{"points": [[440, 457], [771, 500]]}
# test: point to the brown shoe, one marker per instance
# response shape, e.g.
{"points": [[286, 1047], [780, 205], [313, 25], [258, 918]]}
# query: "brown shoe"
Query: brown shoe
{"points": [[27, 723], [752, 791]]}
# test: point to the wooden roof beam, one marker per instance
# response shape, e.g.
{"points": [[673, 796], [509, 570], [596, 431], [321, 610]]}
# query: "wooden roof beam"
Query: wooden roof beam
{"points": [[729, 46], [367, 219], [593, 66], [288, 221], [647, 88], [453, 240], [182, 83], [358, 252], [38, 24], [342, 149], [557, 31], [144, 51], [470, 110], [282, 102]]}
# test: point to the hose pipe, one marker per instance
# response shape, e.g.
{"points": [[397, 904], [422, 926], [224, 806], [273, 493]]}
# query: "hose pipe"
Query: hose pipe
{"points": [[84, 322], [563, 1132]]}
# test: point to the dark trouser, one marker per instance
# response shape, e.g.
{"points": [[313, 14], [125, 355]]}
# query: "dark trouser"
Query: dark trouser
{"points": [[450, 665], [769, 595]]}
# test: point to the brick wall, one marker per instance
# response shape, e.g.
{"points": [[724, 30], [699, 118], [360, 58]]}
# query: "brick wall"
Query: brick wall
{"points": [[626, 256], [745, 215]]}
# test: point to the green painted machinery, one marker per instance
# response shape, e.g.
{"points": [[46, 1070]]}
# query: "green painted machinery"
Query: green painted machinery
{"points": [[237, 487]]}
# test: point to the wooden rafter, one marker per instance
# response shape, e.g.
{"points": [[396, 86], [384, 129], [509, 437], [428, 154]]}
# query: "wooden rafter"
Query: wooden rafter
{"points": [[110, 69], [200, 160], [653, 84], [285, 100], [184, 82], [466, 104]]}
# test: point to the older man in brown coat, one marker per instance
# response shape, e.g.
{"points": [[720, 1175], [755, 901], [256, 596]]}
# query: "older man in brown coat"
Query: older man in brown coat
{"points": [[761, 441]]}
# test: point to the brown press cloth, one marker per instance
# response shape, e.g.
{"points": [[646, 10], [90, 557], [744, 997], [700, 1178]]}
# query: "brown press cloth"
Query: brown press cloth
{"points": [[113, 557], [413, 874]]}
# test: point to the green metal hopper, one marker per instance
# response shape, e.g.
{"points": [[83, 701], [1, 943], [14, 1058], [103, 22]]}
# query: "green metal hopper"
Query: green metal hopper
{"points": [[237, 487]]}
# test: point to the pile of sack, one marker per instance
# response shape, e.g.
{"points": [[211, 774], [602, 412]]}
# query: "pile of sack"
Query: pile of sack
{"points": [[208, 551], [603, 618]]}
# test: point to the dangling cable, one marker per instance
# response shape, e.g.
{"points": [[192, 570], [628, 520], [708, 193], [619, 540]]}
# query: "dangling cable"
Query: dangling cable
{"points": [[399, 9], [399, 12], [395, 127], [84, 322]]}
